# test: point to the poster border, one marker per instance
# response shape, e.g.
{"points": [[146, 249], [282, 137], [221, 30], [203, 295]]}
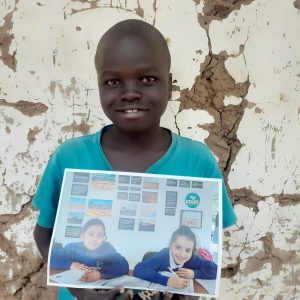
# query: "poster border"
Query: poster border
{"points": [[192, 178]]}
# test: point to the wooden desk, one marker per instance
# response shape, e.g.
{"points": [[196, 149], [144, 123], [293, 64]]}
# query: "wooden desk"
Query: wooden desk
{"points": [[198, 288]]}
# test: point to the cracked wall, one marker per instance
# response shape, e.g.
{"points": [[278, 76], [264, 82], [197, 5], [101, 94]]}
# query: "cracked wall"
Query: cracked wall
{"points": [[236, 86]]}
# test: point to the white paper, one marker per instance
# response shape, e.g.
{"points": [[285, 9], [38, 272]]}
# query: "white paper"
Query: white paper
{"points": [[73, 277], [128, 281], [188, 289], [140, 213]]}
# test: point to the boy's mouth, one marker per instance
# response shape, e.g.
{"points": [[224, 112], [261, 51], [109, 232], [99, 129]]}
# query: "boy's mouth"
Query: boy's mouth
{"points": [[131, 110]]}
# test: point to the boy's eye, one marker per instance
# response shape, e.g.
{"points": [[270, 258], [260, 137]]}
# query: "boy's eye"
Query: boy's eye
{"points": [[148, 79], [112, 82]]}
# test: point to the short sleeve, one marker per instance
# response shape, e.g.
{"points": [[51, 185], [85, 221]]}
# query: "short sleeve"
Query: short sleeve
{"points": [[213, 171], [229, 217], [47, 194]]}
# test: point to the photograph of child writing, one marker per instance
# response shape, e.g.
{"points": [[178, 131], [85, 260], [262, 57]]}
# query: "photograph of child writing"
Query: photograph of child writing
{"points": [[93, 254], [135, 84], [178, 259]]}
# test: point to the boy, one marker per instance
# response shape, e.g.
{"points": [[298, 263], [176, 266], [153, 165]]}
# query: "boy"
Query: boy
{"points": [[133, 64]]}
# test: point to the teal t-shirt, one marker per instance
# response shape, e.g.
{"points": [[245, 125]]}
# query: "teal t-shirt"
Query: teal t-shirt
{"points": [[184, 157]]}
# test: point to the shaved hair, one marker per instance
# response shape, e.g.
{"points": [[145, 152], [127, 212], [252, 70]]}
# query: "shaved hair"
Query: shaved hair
{"points": [[133, 28]]}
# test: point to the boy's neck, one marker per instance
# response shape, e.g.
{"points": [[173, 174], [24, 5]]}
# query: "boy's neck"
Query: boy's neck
{"points": [[151, 138], [135, 152]]}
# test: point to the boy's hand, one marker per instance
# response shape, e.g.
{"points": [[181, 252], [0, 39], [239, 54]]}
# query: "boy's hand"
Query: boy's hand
{"points": [[90, 276], [149, 295], [183, 297], [185, 273], [78, 266], [168, 296], [113, 294], [178, 283]]}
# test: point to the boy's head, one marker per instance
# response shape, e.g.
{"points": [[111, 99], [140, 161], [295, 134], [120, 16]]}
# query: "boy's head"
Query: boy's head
{"points": [[93, 234], [133, 65], [182, 245]]}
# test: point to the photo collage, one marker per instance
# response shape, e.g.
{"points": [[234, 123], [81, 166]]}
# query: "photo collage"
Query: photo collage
{"points": [[138, 198], [128, 216]]}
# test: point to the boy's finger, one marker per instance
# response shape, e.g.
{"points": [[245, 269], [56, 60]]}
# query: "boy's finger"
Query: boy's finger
{"points": [[156, 295], [84, 277], [184, 297], [167, 296], [111, 294], [128, 295], [83, 294]]}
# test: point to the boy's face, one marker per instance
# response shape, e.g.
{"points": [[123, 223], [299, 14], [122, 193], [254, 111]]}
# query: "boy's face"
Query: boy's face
{"points": [[134, 83], [93, 237], [182, 249]]}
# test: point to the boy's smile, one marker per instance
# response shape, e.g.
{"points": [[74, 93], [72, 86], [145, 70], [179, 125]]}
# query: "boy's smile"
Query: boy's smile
{"points": [[134, 82]]}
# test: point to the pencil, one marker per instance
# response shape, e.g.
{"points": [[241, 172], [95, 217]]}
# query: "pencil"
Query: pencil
{"points": [[173, 272]]}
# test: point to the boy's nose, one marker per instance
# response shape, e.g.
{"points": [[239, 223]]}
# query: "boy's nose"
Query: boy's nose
{"points": [[130, 92]]}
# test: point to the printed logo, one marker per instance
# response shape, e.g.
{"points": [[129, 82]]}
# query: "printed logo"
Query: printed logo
{"points": [[192, 200]]}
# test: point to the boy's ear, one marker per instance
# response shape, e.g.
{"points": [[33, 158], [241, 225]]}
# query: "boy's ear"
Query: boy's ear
{"points": [[170, 86]]}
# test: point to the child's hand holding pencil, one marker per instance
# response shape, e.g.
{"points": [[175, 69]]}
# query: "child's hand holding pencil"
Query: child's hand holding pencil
{"points": [[177, 282], [91, 275]]}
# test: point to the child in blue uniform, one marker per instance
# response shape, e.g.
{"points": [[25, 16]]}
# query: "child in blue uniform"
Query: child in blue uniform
{"points": [[93, 254], [178, 257], [135, 84]]}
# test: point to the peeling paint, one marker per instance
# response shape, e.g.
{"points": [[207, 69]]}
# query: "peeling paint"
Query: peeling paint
{"points": [[208, 93], [27, 108], [231, 100], [21, 234], [83, 127], [219, 10], [190, 122], [139, 11], [2, 256], [31, 136], [65, 91], [6, 38], [235, 67]]}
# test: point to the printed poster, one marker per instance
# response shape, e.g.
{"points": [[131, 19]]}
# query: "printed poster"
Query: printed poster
{"points": [[140, 231]]}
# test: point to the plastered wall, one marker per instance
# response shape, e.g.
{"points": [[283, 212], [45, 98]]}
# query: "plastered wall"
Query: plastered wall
{"points": [[236, 71]]}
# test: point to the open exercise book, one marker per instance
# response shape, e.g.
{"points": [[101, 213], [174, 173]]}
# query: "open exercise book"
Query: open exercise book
{"points": [[115, 228]]}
